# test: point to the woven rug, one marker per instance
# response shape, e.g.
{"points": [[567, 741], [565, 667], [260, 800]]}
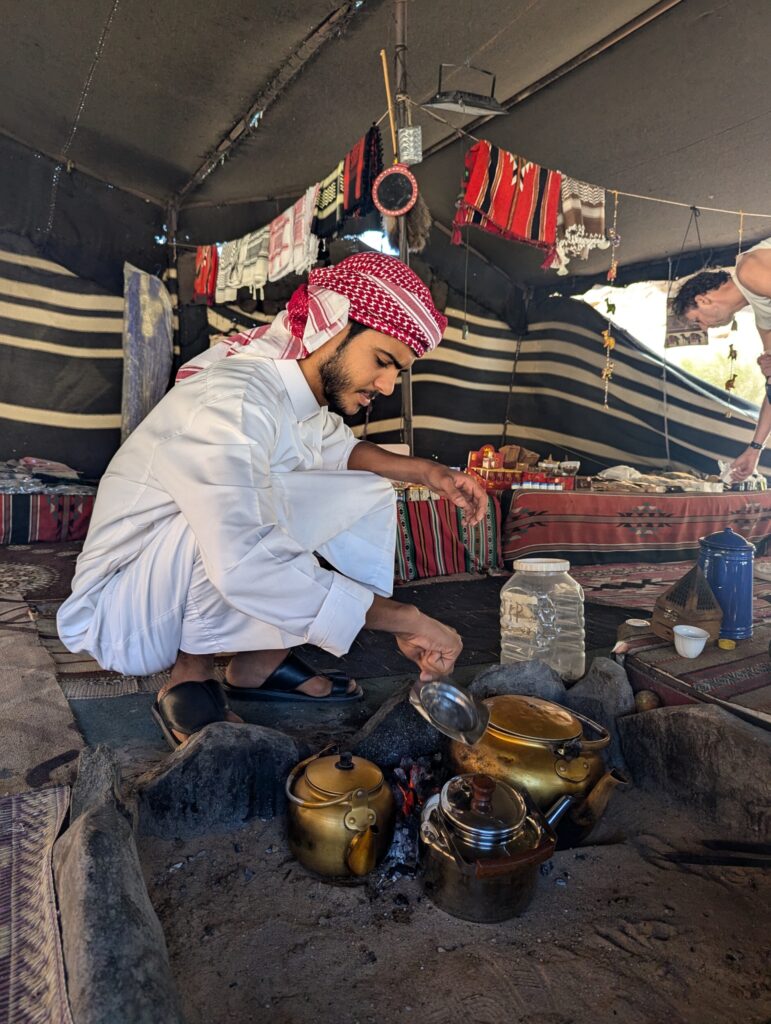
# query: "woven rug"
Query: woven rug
{"points": [[32, 986], [637, 585], [39, 572]]}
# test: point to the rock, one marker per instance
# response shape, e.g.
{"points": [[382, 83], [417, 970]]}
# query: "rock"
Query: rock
{"points": [[395, 731], [707, 758], [114, 950], [531, 678], [604, 694], [97, 783], [225, 775]]}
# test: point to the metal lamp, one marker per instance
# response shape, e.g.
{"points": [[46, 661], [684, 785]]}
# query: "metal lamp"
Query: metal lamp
{"points": [[460, 101]]}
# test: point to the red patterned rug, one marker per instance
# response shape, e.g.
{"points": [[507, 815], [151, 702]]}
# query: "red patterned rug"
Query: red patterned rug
{"points": [[637, 585]]}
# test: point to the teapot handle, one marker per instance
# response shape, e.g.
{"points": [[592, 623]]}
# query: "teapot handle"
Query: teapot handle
{"points": [[496, 866], [590, 745], [296, 771]]}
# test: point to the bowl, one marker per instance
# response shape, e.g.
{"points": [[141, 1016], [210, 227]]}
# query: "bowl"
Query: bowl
{"points": [[569, 468], [690, 640]]}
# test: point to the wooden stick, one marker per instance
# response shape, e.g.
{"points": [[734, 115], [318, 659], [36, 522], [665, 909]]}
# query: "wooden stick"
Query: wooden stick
{"points": [[390, 104]]}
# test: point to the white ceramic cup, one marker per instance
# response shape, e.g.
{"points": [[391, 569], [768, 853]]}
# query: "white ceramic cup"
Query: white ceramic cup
{"points": [[690, 640]]}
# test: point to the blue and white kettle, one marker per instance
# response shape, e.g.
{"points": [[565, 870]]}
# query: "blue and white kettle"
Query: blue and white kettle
{"points": [[726, 559]]}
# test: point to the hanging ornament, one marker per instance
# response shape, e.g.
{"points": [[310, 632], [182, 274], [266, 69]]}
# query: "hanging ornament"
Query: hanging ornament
{"points": [[608, 343], [615, 240], [730, 384]]}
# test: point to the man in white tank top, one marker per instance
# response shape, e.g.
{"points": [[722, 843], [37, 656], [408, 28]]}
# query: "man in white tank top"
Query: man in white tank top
{"points": [[710, 299]]}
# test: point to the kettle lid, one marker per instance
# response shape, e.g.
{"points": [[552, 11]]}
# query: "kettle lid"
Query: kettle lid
{"points": [[726, 540], [532, 718], [452, 711], [484, 811], [337, 774]]}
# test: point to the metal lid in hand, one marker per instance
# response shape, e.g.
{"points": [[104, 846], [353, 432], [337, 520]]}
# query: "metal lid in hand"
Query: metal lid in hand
{"points": [[452, 711]]}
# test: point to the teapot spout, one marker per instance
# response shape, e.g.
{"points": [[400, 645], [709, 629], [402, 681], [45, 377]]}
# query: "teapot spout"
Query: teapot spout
{"points": [[557, 809], [592, 808]]}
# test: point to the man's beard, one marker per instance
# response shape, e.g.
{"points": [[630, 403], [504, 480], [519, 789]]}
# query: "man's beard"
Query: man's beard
{"points": [[336, 381]]}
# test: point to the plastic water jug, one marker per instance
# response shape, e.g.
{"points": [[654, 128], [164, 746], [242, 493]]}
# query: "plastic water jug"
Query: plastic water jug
{"points": [[542, 616], [726, 558]]}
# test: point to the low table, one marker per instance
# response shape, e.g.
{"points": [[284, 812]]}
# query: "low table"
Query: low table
{"points": [[589, 528], [738, 680]]}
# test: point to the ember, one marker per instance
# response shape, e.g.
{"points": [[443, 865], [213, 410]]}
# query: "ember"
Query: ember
{"points": [[414, 782]]}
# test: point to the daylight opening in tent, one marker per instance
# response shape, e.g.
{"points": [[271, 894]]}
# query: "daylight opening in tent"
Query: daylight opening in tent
{"points": [[640, 309]]}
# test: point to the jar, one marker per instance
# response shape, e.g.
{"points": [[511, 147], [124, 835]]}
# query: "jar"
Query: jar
{"points": [[542, 616]]}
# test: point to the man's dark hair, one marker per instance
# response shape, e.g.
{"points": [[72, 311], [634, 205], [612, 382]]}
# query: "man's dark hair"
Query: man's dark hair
{"points": [[699, 284], [355, 328]]}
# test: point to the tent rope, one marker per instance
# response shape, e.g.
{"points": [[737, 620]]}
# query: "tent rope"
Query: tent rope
{"points": [[57, 172]]}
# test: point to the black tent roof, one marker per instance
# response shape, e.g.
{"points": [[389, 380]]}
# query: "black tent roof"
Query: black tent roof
{"points": [[670, 100]]}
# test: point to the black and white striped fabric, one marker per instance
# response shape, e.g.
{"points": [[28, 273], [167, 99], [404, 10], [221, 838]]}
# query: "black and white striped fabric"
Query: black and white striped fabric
{"points": [[459, 390], [557, 400], [62, 364], [461, 394]]}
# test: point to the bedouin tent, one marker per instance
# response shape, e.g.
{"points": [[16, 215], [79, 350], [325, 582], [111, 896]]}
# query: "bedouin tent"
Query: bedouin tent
{"points": [[117, 122]]}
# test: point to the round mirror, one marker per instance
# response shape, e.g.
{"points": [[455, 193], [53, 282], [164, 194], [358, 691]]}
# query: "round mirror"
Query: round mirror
{"points": [[395, 191]]}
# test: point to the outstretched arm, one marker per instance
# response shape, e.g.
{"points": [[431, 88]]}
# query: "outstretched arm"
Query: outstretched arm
{"points": [[747, 462], [462, 489]]}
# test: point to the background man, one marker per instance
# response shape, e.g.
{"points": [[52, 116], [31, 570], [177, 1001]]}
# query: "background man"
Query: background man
{"points": [[209, 518], [711, 299]]}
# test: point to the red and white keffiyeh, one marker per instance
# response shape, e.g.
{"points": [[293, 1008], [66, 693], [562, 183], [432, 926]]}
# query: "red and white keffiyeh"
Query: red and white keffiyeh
{"points": [[376, 290]]}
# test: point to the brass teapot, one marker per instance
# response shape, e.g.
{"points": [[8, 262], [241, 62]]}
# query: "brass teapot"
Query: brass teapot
{"points": [[535, 744], [341, 814], [530, 743]]}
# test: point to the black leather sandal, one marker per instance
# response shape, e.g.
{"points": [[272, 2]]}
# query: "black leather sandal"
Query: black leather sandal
{"points": [[283, 681], [188, 707]]}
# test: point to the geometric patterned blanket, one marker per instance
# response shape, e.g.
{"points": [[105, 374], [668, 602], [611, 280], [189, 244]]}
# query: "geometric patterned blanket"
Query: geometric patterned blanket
{"points": [[636, 586], [433, 540], [32, 986]]}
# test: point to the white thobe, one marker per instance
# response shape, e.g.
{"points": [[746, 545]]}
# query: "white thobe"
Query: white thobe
{"points": [[207, 519]]}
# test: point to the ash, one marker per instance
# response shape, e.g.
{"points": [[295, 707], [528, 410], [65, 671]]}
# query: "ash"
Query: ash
{"points": [[412, 783]]}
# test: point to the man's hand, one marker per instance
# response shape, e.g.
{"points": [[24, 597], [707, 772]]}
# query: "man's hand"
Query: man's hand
{"points": [[433, 647], [745, 465], [463, 489]]}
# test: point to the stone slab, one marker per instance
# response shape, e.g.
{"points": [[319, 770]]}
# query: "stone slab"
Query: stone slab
{"points": [[222, 777], [709, 760], [114, 948]]}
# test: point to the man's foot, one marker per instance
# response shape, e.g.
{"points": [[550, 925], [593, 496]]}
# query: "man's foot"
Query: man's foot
{"points": [[250, 669], [190, 668]]}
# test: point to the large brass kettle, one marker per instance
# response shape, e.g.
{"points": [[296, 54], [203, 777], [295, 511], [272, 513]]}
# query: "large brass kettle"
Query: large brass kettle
{"points": [[341, 814], [536, 745]]}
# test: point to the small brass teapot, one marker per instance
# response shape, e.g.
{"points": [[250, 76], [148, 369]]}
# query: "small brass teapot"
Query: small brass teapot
{"points": [[341, 814]]}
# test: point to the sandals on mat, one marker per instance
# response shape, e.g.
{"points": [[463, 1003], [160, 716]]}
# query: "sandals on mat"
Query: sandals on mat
{"points": [[188, 707], [282, 684]]}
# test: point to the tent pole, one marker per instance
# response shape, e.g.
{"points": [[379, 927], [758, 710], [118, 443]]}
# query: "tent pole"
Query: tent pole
{"points": [[400, 68]]}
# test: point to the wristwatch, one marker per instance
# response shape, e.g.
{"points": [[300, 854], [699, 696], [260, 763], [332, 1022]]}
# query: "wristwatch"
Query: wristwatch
{"points": [[757, 446]]}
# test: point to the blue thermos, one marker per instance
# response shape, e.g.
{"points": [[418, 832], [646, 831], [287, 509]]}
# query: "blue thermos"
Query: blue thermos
{"points": [[725, 558]]}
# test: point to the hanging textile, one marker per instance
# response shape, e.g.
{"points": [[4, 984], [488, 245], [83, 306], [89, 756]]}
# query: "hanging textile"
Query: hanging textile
{"points": [[228, 272], [205, 281], [509, 196], [280, 246], [681, 332], [305, 245], [361, 166], [253, 268], [329, 203], [147, 345], [580, 224]]}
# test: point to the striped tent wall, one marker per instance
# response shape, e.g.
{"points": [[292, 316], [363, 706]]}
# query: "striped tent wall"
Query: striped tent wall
{"points": [[62, 364], [557, 399], [459, 391]]}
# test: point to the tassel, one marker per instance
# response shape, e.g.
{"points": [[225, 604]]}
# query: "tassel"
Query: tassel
{"points": [[418, 222]]}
